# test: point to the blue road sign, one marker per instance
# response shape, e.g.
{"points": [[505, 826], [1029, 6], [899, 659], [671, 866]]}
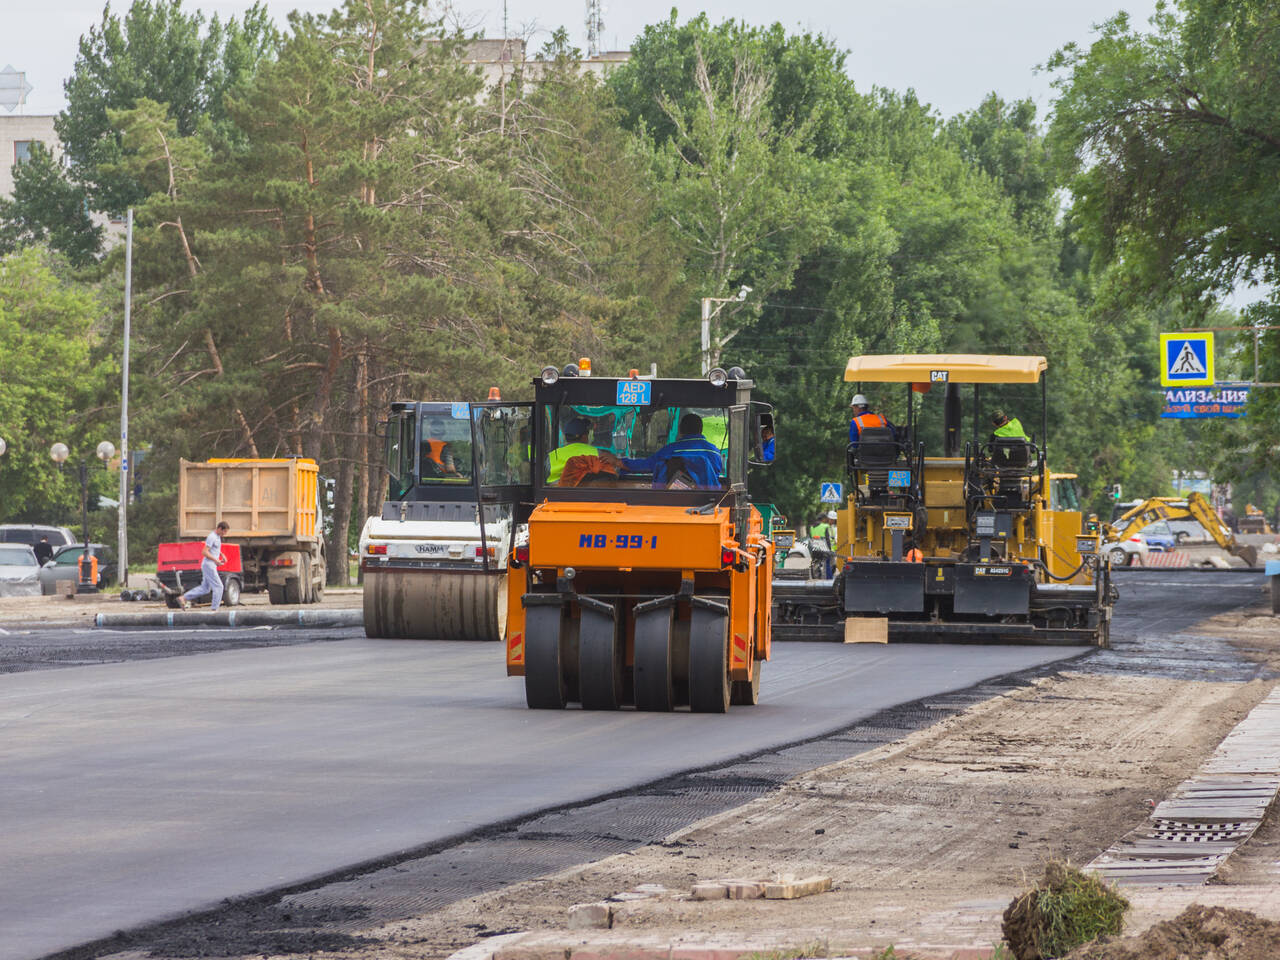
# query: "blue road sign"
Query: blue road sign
{"points": [[1186, 359], [832, 492], [1205, 402]]}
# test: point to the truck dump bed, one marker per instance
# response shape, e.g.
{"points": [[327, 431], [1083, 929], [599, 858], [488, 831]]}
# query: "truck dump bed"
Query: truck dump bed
{"points": [[266, 500]]}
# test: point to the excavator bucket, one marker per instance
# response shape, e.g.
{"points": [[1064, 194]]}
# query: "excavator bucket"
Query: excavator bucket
{"points": [[1247, 553]]}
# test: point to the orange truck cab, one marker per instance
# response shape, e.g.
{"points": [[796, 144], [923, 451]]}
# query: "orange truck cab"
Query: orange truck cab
{"points": [[646, 576]]}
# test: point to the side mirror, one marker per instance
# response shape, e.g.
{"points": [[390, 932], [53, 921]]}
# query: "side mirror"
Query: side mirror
{"points": [[762, 434], [380, 429]]}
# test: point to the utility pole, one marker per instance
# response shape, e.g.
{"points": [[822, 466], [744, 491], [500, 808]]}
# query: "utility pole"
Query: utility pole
{"points": [[708, 314], [122, 527]]}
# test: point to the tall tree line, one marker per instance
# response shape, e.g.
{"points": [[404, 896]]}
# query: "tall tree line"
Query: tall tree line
{"points": [[337, 214]]}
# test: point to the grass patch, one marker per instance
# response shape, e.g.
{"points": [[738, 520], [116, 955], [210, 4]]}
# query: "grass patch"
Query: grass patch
{"points": [[1064, 910], [808, 951]]}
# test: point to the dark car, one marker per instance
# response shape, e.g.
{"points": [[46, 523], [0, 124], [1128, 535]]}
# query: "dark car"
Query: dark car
{"points": [[55, 574], [30, 534]]}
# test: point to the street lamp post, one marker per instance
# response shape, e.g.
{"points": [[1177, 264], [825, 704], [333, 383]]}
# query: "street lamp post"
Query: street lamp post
{"points": [[59, 453]]}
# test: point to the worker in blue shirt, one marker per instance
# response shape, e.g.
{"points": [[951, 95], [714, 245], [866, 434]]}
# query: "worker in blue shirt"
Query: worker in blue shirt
{"points": [[863, 418], [700, 458], [766, 436]]}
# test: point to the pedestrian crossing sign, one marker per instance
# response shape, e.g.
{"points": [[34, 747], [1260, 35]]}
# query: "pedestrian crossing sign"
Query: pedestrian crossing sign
{"points": [[1186, 359], [832, 492]]}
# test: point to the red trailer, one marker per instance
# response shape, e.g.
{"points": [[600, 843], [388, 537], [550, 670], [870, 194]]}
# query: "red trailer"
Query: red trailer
{"points": [[178, 570]]}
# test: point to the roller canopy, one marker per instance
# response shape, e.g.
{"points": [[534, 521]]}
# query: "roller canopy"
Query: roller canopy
{"points": [[959, 367]]}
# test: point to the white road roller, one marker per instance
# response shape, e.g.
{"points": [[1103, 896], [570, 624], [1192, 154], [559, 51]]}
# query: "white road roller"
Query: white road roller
{"points": [[434, 562]]}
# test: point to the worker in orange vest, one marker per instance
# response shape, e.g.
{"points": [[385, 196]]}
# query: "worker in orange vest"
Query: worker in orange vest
{"points": [[912, 554], [863, 418], [437, 453]]}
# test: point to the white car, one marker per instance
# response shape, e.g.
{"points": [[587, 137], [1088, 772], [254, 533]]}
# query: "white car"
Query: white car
{"points": [[1126, 551], [19, 571]]}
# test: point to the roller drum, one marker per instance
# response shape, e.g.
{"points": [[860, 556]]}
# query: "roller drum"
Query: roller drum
{"points": [[433, 604]]}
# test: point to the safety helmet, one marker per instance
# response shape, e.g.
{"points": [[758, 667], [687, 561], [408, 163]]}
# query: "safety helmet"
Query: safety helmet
{"points": [[831, 514], [859, 401]]}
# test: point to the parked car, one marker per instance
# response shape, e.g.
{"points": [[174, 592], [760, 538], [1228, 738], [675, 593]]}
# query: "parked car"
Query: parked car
{"points": [[1125, 551], [18, 570], [63, 567], [30, 534], [1159, 536]]}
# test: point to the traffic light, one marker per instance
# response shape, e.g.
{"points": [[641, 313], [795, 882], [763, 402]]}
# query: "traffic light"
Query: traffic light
{"points": [[1115, 491]]}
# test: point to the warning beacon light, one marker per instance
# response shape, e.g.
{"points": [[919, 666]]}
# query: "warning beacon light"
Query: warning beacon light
{"points": [[584, 366], [495, 393]]}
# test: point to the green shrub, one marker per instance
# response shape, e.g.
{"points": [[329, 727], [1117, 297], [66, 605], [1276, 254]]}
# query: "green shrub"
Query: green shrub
{"points": [[1067, 908]]}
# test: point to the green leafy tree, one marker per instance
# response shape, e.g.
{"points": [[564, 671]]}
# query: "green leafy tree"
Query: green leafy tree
{"points": [[159, 52], [745, 200], [808, 89], [373, 228], [48, 208], [156, 52], [1172, 146], [51, 373]]}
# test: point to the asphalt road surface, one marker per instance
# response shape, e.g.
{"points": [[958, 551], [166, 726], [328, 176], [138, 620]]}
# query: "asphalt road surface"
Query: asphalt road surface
{"points": [[139, 790], [143, 789]]}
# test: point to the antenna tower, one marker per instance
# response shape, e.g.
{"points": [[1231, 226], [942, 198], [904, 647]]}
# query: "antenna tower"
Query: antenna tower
{"points": [[595, 27]]}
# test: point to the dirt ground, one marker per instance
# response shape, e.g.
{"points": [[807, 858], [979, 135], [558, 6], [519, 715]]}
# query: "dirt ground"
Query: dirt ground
{"points": [[926, 839]]}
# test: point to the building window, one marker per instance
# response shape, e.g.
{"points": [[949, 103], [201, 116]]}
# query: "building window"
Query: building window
{"points": [[22, 149]]}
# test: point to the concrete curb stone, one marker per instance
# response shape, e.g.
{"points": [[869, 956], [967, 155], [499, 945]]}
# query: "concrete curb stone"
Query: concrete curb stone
{"points": [[586, 950]]}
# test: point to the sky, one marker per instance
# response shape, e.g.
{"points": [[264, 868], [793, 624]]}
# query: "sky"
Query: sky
{"points": [[951, 52]]}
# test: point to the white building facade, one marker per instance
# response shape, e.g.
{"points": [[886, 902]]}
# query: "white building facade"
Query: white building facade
{"points": [[18, 134]]}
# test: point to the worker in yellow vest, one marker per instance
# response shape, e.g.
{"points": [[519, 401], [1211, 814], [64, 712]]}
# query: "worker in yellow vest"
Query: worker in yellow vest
{"points": [[1007, 427], [576, 431]]}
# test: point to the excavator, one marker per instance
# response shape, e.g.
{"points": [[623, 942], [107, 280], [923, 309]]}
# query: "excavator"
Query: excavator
{"points": [[1194, 506], [948, 537]]}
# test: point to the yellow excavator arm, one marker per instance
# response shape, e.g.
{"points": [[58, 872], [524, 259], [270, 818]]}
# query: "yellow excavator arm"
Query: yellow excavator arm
{"points": [[1193, 507]]}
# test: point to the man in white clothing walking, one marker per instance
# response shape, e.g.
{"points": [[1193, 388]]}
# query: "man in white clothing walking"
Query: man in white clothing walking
{"points": [[212, 558]]}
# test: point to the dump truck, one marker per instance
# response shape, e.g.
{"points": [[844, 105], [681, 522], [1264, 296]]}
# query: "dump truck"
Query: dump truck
{"points": [[645, 576], [1194, 506], [434, 560], [1004, 559], [276, 518]]}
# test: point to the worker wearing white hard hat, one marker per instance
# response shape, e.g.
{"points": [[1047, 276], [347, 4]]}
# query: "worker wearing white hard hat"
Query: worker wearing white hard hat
{"points": [[863, 418]]}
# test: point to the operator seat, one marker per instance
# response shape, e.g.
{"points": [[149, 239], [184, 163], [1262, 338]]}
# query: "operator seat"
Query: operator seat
{"points": [[875, 453], [1007, 465]]}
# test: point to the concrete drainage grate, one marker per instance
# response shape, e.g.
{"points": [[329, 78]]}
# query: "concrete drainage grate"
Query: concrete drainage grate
{"points": [[1189, 835], [1183, 832]]}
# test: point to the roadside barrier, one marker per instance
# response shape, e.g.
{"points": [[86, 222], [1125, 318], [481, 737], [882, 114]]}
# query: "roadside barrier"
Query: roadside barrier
{"points": [[1172, 558]]}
